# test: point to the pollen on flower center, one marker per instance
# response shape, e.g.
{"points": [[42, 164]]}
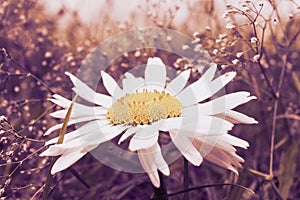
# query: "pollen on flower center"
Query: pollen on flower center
{"points": [[143, 108]]}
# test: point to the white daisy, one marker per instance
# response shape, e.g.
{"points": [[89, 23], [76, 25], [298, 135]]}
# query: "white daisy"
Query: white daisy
{"points": [[146, 106]]}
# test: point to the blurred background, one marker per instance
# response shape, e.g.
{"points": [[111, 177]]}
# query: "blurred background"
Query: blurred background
{"points": [[40, 40]]}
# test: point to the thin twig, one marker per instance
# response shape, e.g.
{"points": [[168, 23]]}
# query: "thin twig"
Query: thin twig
{"points": [[37, 192], [75, 173], [257, 50], [288, 116], [275, 114], [278, 195], [273, 138], [260, 55], [207, 186], [30, 74]]}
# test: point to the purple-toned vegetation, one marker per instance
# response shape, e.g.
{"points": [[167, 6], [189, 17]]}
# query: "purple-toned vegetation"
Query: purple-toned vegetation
{"points": [[263, 49]]}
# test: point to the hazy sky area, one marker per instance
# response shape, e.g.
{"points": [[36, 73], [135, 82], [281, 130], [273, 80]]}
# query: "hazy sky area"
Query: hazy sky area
{"points": [[90, 11]]}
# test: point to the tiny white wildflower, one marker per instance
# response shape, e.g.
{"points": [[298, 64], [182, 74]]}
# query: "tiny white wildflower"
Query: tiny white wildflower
{"points": [[196, 40], [137, 53], [169, 38], [218, 41], [207, 28], [70, 58], [256, 58], [235, 61], [225, 15], [239, 54], [185, 47], [223, 66], [48, 54], [253, 40], [245, 9], [215, 51], [3, 118], [230, 26], [198, 48], [196, 34]]}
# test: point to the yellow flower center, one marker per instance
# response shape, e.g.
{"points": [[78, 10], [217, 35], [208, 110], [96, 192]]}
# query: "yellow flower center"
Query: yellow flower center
{"points": [[143, 108]]}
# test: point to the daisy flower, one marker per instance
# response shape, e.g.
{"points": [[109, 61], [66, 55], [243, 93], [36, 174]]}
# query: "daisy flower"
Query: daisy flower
{"points": [[144, 107]]}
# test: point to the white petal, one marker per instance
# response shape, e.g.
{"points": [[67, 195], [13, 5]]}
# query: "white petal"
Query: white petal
{"points": [[235, 141], [105, 133], [58, 126], [94, 137], [149, 166], [60, 101], [85, 129], [73, 144], [111, 86], [203, 133], [171, 124], [223, 145], [61, 114], [222, 159], [221, 104], [131, 84], [144, 138], [209, 74], [72, 121], [79, 112], [155, 74], [220, 82], [218, 152], [189, 95], [159, 160], [129, 75], [237, 117], [203, 89], [154, 178], [53, 151], [195, 92], [200, 125], [186, 148], [206, 143], [88, 94], [130, 131], [195, 126], [66, 160], [151, 159], [178, 83]]}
